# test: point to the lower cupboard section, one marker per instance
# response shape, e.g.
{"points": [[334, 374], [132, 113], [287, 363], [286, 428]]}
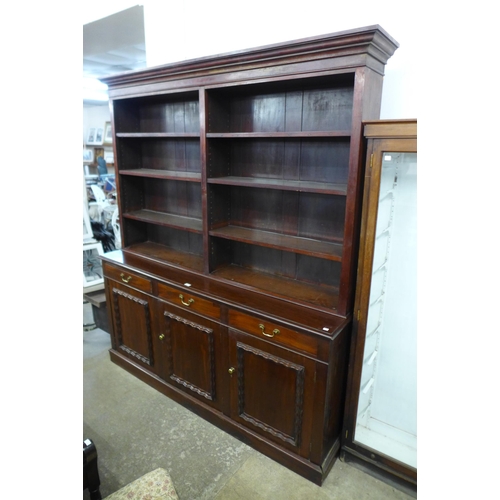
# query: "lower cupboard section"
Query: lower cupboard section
{"points": [[286, 404]]}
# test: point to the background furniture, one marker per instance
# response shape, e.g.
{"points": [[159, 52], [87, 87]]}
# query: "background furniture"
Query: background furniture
{"points": [[380, 426], [239, 193], [91, 479]]}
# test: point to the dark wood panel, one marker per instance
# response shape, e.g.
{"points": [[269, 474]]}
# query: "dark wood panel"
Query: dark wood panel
{"points": [[171, 154], [315, 160], [190, 354], [131, 314], [176, 198], [167, 114], [272, 391], [306, 215], [261, 109]]}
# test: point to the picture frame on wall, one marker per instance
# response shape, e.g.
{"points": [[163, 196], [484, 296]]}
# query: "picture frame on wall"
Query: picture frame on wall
{"points": [[88, 155], [92, 264], [99, 135], [95, 136], [108, 135], [91, 135], [98, 152], [109, 157]]}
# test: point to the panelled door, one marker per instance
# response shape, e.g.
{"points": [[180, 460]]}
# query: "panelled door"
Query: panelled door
{"points": [[271, 391]]}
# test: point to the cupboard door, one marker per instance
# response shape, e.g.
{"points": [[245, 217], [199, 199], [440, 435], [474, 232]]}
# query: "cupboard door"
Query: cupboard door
{"points": [[131, 313], [271, 391], [189, 348]]}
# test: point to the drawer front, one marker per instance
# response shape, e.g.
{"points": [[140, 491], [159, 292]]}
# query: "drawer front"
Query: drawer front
{"points": [[268, 330], [126, 277], [187, 300]]}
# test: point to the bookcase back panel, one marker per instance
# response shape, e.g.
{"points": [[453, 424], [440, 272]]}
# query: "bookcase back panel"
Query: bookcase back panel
{"points": [[319, 160], [159, 154], [182, 241], [179, 114], [306, 215], [173, 197], [316, 105], [286, 264]]}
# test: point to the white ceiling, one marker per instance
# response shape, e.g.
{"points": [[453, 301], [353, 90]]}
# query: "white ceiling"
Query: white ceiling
{"points": [[114, 44]]}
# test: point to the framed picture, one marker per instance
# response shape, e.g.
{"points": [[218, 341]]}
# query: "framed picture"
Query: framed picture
{"points": [[92, 264], [91, 136], [108, 136], [99, 135], [95, 136], [98, 152], [88, 155], [109, 157]]}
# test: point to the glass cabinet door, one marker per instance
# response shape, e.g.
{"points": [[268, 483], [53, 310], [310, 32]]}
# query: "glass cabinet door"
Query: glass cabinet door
{"points": [[386, 419]]}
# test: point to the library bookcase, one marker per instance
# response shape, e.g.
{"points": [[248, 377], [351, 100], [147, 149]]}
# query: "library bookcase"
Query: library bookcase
{"points": [[239, 192]]}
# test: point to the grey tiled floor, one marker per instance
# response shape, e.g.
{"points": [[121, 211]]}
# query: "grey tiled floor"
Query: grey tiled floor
{"points": [[136, 429]]}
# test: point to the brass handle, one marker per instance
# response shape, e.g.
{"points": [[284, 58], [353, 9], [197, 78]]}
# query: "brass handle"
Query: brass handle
{"points": [[231, 370], [188, 303], [275, 331], [162, 336], [125, 280]]}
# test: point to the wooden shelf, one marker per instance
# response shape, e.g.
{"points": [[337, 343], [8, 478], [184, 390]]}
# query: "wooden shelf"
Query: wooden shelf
{"points": [[168, 220], [163, 174], [166, 255], [273, 135], [305, 246], [317, 295], [156, 135], [283, 184]]}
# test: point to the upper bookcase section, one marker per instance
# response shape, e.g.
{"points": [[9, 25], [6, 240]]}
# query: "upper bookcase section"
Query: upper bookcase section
{"points": [[369, 47]]}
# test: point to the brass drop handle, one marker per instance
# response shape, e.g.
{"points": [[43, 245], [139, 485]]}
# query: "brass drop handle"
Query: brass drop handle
{"points": [[231, 370], [161, 337], [188, 303], [125, 280], [275, 331]]}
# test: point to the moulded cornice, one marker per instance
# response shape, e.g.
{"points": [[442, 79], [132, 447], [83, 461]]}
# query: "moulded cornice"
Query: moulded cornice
{"points": [[371, 41]]}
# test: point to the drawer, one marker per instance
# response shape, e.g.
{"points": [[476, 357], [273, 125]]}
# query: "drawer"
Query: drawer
{"points": [[267, 329], [187, 300], [128, 278]]}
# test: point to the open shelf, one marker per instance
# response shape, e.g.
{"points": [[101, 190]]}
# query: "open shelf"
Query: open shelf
{"points": [[311, 162], [163, 219], [160, 154], [312, 105], [164, 174], [169, 115], [319, 296], [166, 255], [157, 135], [264, 135], [282, 184], [321, 249], [313, 221]]}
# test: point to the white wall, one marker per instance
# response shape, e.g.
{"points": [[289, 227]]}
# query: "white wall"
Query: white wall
{"points": [[185, 30], [179, 30]]}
